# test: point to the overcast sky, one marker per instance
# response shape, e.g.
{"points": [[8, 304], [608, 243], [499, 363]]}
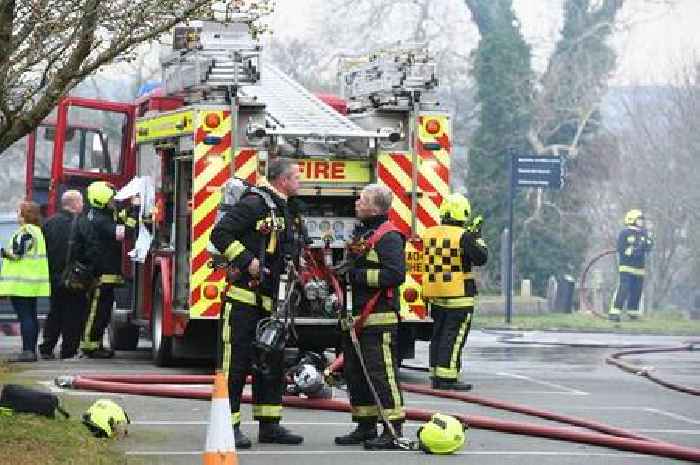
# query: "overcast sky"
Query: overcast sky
{"points": [[652, 43]]}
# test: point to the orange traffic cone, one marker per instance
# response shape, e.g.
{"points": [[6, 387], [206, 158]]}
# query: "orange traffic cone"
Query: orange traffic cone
{"points": [[220, 448]]}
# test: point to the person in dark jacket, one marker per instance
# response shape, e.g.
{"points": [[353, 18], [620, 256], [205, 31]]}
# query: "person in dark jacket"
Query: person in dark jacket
{"points": [[256, 236], [68, 307], [108, 228], [377, 271], [450, 250], [633, 244]]}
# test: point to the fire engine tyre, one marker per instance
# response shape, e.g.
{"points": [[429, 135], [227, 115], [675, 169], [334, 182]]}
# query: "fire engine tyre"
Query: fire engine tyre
{"points": [[123, 336], [162, 346]]}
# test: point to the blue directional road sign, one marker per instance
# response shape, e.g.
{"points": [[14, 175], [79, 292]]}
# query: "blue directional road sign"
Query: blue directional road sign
{"points": [[538, 171]]}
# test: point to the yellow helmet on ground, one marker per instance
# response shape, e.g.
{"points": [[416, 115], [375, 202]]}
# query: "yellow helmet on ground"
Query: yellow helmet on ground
{"points": [[106, 419], [632, 216], [443, 434], [456, 207], [99, 193]]}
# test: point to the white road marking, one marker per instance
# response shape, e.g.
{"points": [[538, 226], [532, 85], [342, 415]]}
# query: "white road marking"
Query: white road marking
{"points": [[344, 451], [562, 393], [673, 415], [350, 424], [410, 402], [291, 423], [612, 407], [669, 431], [567, 390]]}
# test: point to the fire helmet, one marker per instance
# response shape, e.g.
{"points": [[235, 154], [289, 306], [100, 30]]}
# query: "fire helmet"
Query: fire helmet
{"points": [[456, 207], [443, 434], [99, 193], [106, 419], [632, 216], [308, 378]]}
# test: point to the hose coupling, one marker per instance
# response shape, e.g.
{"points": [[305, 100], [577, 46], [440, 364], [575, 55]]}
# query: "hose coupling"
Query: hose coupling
{"points": [[64, 381]]}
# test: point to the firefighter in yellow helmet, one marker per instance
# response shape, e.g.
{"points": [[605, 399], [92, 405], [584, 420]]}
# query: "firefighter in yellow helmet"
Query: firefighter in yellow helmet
{"points": [[633, 244], [450, 250], [108, 227]]}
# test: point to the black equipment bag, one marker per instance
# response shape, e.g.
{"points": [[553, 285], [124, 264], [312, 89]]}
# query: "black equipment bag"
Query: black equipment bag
{"points": [[22, 399], [75, 276]]}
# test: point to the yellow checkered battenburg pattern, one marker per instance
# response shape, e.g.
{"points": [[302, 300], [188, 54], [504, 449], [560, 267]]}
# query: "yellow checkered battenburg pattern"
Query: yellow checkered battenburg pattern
{"points": [[211, 170], [433, 147], [442, 273]]}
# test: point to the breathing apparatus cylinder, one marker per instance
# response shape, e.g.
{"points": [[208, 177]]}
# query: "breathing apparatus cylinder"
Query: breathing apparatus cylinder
{"points": [[270, 336]]}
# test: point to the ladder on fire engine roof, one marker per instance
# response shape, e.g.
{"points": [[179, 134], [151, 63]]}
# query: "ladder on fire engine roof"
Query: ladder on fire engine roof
{"points": [[294, 111]]}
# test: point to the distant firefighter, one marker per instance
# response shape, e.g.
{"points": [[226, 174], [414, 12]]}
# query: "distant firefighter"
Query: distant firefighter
{"points": [[633, 245]]}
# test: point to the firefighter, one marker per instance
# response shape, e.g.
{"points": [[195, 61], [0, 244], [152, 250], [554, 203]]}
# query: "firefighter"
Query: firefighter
{"points": [[377, 271], [450, 251], [108, 228], [256, 237], [633, 244]]}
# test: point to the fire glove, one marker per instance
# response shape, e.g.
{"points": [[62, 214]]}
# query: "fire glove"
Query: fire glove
{"points": [[475, 226]]}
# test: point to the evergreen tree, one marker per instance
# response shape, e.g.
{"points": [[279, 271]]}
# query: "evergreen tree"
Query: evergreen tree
{"points": [[502, 71], [558, 116]]}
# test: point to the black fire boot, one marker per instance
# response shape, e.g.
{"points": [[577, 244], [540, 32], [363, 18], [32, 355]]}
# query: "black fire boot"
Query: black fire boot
{"points": [[100, 353], [273, 433], [450, 385], [242, 441], [386, 441], [365, 430]]}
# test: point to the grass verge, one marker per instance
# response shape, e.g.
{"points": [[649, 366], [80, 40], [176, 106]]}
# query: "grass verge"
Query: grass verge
{"points": [[32, 439], [662, 322]]}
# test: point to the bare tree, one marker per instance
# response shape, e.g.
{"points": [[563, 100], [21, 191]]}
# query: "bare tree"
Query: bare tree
{"points": [[48, 46], [657, 170]]}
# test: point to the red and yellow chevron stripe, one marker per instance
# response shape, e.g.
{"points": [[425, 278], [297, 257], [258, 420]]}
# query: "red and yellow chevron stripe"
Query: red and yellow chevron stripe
{"points": [[395, 170], [245, 165], [211, 170]]}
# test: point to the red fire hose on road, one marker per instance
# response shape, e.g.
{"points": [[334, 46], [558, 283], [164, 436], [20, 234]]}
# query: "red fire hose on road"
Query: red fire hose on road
{"points": [[614, 359], [167, 386]]}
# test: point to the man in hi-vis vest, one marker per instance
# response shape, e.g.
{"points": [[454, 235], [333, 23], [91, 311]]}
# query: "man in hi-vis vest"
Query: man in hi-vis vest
{"points": [[449, 252]]}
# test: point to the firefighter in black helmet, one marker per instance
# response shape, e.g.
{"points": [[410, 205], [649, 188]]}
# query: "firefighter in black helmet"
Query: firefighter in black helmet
{"points": [[633, 244], [379, 270], [450, 250], [255, 236], [108, 228]]}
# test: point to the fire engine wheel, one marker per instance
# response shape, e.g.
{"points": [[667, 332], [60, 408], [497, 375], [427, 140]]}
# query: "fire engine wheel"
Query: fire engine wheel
{"points": [[162, 349]]}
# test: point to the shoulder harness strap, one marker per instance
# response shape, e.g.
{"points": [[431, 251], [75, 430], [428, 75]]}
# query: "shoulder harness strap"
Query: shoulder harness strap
{"points": [[381, 231]]}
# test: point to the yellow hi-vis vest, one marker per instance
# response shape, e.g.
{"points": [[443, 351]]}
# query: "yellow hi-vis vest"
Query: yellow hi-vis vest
{"points": [[28, 275], [443, 275]]}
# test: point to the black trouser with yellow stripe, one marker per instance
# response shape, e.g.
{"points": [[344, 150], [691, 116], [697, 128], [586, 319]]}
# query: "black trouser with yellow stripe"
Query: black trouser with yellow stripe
{"points": [[238, 336], [379, 345], [629, 293], [100, 312], [451, 327]]}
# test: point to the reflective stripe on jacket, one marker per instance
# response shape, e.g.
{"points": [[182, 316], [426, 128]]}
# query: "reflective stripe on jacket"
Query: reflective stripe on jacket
{"points": [[26, 275]]}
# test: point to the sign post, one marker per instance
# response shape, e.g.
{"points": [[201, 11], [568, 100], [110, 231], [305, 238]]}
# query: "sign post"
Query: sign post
{"points": [[539, 171]]}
